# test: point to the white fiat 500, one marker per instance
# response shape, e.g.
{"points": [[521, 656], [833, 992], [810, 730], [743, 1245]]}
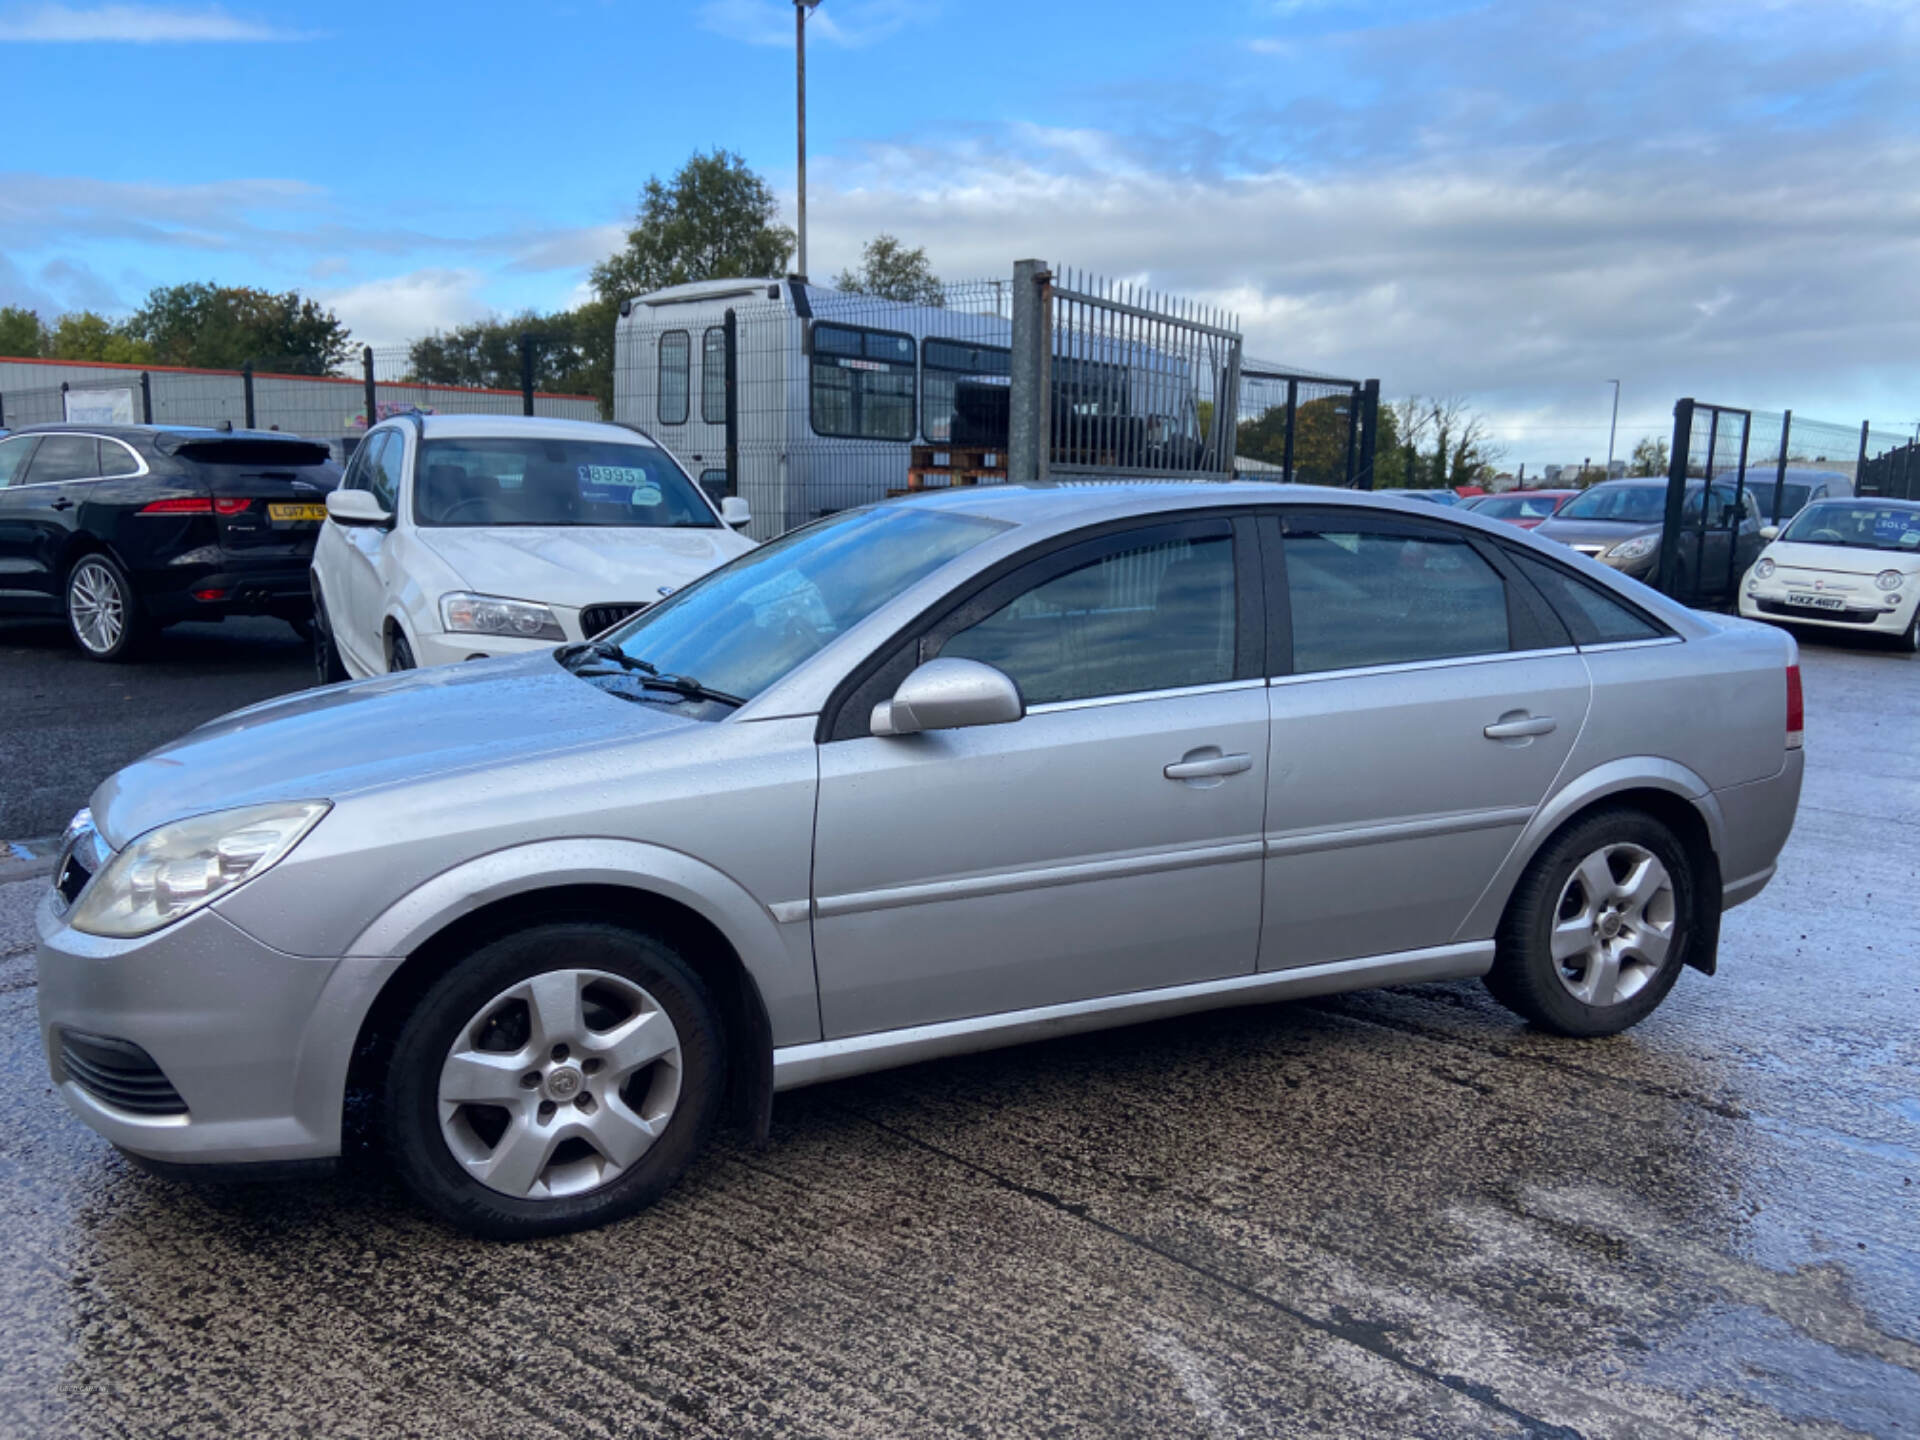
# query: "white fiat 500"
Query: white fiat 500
{"points": [[1849, 564], [456, 537]]}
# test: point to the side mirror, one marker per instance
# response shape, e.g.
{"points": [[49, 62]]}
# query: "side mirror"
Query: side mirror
{"points": [[735, 512], [356, 507], [949, 694], [1769, 532]]}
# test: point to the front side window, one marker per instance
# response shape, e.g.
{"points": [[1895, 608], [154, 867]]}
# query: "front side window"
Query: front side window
{"points": [[1388, 597], [713, 376], [383, 470], [1156, 617], [13, 455], [676, 358], [64, 457], [1851, 525], [964, 392], [550, 481], [742, 627], [862, 383]]}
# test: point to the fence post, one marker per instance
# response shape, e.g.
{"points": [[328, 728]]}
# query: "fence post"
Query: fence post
{"points": [[1353, 427], [1780, 470], [1030, 421], [3, 412], [526, 374], [246, 389], [1733, 520], [1286, 450], [730, 330], [146, 397], [1229, 408], [1676, 495], [366, 366], [1369, 420], [1860, 469]]}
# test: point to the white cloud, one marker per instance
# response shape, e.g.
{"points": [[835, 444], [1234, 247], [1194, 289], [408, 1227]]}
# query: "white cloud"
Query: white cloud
{"points": [[135, 25], [400, 308]]}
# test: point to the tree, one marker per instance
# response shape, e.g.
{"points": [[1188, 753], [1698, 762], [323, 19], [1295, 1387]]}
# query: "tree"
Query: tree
{"points": [[1461, 450], [83, 335], [893, 272], [224, 326], [1650, 457], [487, 352], [714, 220], [1321, 429], [21, 332]]}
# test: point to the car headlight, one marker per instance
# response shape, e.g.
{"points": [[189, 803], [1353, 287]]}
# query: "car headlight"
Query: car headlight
{"points": [[467, 614], [1637, 548], [1889, 579], [1763, 570], [176, 869]]}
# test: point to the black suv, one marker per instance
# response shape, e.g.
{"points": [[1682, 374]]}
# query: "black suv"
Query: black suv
{"points": [[124, 528]]}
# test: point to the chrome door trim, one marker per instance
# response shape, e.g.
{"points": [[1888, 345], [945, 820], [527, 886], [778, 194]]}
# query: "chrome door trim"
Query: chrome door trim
{"points": [[1294, 842], [809, 1064], [1645, 644], [1010, 881], [1094, 702], [1406, 667]]}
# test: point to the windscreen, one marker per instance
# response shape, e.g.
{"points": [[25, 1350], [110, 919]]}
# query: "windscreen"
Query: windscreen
{"points": [[1634, 504], [538, 480], [1858, 525]]}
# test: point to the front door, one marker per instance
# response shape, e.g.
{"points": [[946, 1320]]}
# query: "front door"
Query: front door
{"points": [[365, 597], [1107, 842], [1429, 702], [41, 511]]}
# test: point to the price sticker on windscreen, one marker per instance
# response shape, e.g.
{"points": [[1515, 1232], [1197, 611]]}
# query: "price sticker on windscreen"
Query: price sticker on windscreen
{"points": [[618, 485]]}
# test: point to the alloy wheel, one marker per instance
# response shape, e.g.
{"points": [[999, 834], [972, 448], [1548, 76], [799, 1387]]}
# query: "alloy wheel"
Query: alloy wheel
{"points": [[559, 1084], [96, 606], [1614, 924]]}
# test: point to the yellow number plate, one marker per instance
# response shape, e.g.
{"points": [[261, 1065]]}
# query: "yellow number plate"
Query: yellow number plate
{"points": [[297, 512]]}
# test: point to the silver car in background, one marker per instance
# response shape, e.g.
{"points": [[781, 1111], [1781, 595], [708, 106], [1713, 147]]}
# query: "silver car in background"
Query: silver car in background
{"points": [[925, 777]]}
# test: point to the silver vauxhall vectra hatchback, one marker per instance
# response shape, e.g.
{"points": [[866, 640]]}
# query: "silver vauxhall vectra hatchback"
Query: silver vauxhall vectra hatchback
{"points": [[925, 777]]}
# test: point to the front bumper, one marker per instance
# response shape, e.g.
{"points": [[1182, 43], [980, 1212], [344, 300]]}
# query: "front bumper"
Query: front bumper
{"points": [[1866, 612], [437, 647], [256, 1041]]}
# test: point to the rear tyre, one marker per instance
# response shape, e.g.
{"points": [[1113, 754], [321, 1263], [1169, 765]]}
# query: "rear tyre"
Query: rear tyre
{"points": [[1598, 928], [103, 614], [399, 654], [327, 666], [555, 1079]]}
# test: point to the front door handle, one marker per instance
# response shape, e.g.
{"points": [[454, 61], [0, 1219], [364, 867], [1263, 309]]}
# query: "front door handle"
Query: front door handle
{"points": [[1199, 765], [1519, 725], [63, 503]]}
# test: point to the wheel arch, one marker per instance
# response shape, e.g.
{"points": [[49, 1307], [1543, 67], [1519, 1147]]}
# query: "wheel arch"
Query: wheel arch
{"points": [[1670, 792], [729, 938]]}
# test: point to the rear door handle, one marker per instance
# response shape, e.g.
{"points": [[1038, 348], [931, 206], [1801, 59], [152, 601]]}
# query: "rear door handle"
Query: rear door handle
{"points": [[63, 503], [1207, 767], [1518, 725]]}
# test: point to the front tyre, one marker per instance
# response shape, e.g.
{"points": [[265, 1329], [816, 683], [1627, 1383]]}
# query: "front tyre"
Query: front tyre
{"points": [[556, 1079], [103, 614], [1598, 928], [328, 668]]}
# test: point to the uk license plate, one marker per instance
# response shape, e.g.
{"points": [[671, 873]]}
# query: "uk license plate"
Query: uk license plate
{"points": [[1816, 602], [297, 512]]}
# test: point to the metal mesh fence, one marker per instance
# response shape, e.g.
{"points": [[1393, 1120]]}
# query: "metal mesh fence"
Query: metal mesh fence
{"points": [[1297, 426]]}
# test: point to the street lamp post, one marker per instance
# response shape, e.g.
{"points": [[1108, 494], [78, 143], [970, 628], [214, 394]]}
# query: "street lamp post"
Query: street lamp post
{"points": [[1613, 426], [802, 9]]}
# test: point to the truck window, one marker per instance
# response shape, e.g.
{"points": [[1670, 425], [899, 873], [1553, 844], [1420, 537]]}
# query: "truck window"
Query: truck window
{"points": [[676, 358], [862, 383], [964, 394], [713, 375]]}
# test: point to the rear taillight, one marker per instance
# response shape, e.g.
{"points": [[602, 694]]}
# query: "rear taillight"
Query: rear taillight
{"points": [[231, 504], [1796, 710], [184, 505]]}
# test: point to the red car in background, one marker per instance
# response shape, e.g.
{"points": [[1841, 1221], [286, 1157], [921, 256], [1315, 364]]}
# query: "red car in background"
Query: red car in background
{"points": [[1525, 508]]}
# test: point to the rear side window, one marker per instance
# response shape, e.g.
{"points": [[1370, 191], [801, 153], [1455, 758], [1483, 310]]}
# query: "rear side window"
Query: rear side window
{"points": [[1388, 596], [117, 459], [1158, 617], [1593, 616], [64, 457]]}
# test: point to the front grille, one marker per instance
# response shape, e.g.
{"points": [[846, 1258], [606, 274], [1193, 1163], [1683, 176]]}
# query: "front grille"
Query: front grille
{"points": [[1808, 612], [72, 877], [118, 1073], [594, 619]]}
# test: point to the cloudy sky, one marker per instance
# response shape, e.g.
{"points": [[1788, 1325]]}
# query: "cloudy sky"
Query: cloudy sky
{"points": [[1514, 202]]}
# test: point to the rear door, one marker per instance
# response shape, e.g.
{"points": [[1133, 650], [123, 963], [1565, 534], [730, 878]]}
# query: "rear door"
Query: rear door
{"points": [[1424, 699], [40, 511], [1109, 841], [20, 583]]}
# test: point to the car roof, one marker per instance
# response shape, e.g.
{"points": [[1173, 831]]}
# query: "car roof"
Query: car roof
{"points": [[509, 426], [1067, 503]]}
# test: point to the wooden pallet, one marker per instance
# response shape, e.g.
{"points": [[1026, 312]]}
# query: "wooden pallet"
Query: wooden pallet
{"points": [[962, 465]]}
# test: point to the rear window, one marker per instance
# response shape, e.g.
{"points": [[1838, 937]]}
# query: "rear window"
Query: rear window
{"points": [[286, 454]]}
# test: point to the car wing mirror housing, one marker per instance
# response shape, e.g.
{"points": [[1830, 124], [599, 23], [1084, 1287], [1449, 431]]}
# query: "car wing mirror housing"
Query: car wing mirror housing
{"points": [[1769, 532], [357, 507], [735, 512], [949, 694]]}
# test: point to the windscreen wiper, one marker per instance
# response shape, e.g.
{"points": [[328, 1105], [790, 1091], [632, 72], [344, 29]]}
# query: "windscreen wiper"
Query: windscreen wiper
{"points": [[649, 674], [603, 650]]}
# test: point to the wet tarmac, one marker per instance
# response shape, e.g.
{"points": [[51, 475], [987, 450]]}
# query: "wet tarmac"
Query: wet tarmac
{"points": [[1398, 1213]]}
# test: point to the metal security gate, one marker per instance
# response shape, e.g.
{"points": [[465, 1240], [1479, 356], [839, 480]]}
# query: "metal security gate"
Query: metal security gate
{"points": [[1113, 380], [1306, 429], [1711, 527]]}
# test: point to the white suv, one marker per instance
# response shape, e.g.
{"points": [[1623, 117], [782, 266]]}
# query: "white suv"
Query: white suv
{"points": [[459, 537]]}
